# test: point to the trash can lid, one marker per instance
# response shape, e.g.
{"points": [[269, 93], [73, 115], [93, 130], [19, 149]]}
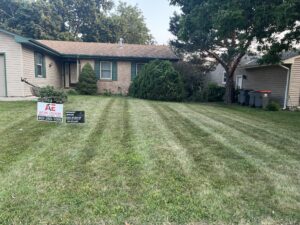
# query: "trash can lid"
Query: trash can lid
{"points": [[264, 91]]}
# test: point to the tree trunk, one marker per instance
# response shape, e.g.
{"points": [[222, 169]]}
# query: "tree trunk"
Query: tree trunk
{"points": [[229, 92]]}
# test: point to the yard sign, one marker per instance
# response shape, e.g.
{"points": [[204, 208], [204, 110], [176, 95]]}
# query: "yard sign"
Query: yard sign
{"points": [[50, 112]]}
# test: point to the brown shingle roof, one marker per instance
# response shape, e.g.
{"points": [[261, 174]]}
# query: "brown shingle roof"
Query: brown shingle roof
{"points": [[110, 50]]}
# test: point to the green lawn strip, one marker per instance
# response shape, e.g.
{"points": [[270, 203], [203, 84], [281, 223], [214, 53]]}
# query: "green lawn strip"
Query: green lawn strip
{"points": [[281, 121], [17, 140], [31, 189], [231, 178], [169, 193], [280, 183], [102, 185], [115, 178], [288, 147], [149, 163], [13, 113]]}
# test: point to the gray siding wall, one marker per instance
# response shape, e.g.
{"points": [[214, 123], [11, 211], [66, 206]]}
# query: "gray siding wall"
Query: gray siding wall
{"points": [[14, 68], [216, 76], [53, 71], [267, 78], [294, 89]]}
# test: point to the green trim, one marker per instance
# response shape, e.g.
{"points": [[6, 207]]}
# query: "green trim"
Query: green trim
{"points": [[114, 71], [133, 70], [5, 73], [112, 58], [44, 66], [97, 69]]}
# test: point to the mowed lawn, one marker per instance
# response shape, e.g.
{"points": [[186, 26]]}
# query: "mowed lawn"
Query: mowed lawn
{"points": [[145, 162]]}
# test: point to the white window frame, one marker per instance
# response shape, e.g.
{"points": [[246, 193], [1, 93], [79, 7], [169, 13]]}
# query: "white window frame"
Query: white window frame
{"points": [[136, 67], [236, 81], [111, 67], [224, 77], [41, 65]]}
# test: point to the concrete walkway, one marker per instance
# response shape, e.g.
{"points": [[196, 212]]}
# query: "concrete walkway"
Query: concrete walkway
{"points": [[13, 99]]}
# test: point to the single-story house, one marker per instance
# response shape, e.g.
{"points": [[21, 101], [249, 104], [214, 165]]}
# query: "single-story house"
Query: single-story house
{"points": [[58, 63], [282, 79]]}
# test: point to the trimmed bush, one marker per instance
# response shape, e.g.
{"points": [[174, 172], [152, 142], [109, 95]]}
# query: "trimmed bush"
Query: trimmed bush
{"points": [[158, 80], [215, 93], [273, 106], [211, 93], [87, 84], [193, 77], [72, 92], [50, 94]]}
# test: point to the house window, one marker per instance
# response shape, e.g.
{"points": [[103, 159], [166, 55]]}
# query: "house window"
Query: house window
{"points": [[224, 79], [106, 70], [139, 67], [39, 65]]}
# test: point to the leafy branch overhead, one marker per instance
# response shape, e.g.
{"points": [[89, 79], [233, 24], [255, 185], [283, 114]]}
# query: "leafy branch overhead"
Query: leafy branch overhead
{"points": [[227, 30], [82, 20]]}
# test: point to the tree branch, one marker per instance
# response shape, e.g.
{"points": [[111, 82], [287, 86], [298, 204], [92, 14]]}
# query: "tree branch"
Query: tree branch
{"points": [[218, 58]]}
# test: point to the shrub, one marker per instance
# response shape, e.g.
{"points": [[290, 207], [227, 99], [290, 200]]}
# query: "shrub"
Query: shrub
{"points": [[210, 93], [193, 77], [158, 80], [215, 93], [50, 94], [273, 106], [72, 92], [87, 84]]}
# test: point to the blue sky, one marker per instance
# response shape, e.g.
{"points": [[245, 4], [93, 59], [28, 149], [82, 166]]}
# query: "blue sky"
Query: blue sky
{"points": [[157, 14]]}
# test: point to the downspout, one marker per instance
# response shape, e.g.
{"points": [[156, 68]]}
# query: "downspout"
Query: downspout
{"points": [[286, 86]]}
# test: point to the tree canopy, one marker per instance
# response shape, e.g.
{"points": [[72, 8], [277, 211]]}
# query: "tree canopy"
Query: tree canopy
{"points": [[82, 20], [227, 30]]}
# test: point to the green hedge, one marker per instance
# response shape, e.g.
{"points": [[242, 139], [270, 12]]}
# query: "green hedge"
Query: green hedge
{"points": [[50, 94], [158, 80]]}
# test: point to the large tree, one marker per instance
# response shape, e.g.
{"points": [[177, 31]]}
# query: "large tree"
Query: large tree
{"points": [[85, 20], [227, 29], [130, 25]]}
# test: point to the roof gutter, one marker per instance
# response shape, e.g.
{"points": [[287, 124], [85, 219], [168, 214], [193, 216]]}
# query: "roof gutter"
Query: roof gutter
{"points": [[286, 86]]}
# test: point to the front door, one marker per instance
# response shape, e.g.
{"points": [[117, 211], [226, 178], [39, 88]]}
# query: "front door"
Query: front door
{"points": [[70, 74], [2, 77]]}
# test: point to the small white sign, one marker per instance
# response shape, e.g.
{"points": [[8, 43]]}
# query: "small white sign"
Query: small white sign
{"points": [[50, 112]]}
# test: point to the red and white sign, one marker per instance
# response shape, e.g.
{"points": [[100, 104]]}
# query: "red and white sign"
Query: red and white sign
{"points": [[50, 112]]}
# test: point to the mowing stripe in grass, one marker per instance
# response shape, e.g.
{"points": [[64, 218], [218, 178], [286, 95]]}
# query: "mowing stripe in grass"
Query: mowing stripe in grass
{"points": [[45, 173], [251, 147], [250, 154], [219, 149], [89, 150], [13, 119], [12, 147], [282, 143], [264, 124], [169, 195]]}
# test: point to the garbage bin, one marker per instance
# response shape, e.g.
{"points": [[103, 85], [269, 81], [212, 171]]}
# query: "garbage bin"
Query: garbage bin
{"points": [[244, 97], [262, 98], [252, 98]]}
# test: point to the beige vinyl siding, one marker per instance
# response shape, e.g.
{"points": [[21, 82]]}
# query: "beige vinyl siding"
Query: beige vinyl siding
{"points": [[13, 56], [294, 89], [120, 86], [53, 72], [267, 78]]}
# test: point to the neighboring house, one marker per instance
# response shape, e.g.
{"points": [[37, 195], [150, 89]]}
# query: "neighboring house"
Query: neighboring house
{"points": [[58, 63], [217, 76], [282, 79]]}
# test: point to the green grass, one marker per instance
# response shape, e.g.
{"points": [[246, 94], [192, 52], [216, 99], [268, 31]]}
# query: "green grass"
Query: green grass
{"points": [[145, 162]]}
